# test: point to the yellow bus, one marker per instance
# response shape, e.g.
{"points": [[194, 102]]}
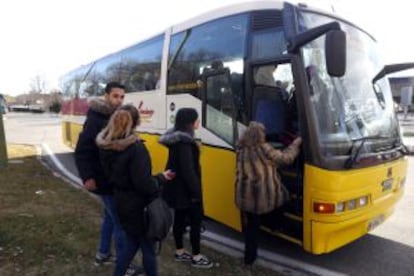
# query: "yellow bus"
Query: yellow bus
{"points": [[299, 71]]}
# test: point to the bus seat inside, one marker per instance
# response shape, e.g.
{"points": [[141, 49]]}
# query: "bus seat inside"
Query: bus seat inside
{"points": [[269, 109]]}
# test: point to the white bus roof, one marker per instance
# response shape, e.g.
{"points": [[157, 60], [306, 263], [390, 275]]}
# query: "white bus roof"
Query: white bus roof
{"points": [[226, 11], [248, 6]]}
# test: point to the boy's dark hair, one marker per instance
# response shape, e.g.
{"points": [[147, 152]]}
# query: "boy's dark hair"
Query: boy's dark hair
{"points": [[113, 84]]}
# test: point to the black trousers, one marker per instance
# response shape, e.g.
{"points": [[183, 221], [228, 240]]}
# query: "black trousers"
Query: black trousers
{"points": [[193, 214], [251, 225]]}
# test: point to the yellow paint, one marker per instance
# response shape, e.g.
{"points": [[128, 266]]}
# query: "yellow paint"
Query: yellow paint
{"points": [[322, 232], [218, 174], [218, 178], [326, 232]]}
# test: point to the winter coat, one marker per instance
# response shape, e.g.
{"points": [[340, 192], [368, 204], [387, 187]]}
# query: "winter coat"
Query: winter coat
{"points": [[86, 151], [184, 160], [259, 189], [127, 166]]}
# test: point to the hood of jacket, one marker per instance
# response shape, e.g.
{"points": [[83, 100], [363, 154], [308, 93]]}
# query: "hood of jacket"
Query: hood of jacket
{"points": [[171, 137], [101, 106], [117, 144]]}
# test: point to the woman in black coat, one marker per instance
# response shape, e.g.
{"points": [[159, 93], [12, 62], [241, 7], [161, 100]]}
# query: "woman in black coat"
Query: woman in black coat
{"points": [[184, 192], [127, 165]]}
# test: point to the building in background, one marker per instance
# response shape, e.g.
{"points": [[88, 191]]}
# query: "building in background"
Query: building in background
{"points": [[398, 86]]}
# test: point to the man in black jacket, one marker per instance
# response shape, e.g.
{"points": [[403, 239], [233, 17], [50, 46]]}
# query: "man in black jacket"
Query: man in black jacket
{"points": [[91, 171]]}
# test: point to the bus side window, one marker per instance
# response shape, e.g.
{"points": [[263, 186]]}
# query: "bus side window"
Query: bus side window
{"points": [[219, 107]]}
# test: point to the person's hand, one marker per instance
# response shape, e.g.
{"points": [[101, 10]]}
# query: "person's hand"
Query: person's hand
{"points": [[169, 174], [90, 184]]}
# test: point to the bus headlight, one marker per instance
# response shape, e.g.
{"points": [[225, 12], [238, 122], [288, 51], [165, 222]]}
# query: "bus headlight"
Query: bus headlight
{"points": [[363, 201], [351, 204], [340, 207]]}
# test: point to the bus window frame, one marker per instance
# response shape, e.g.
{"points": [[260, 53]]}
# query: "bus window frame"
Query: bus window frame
{"points": [[203, 97]]}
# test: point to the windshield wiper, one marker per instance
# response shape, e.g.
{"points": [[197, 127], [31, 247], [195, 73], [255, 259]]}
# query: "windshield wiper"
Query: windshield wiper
{"points": [[401, 147], [355, 150]]}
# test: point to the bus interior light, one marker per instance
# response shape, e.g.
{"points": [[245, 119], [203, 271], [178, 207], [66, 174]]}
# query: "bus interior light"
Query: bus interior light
{"points": [[324, 208]]}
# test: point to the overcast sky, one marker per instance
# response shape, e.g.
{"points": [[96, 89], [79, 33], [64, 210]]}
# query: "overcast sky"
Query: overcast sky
{"points": [[50, 37]]}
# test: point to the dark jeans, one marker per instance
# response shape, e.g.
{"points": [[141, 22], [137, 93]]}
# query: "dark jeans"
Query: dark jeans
{"points": [[250, 231], [132, 244], [195, 216], [110, 228]]}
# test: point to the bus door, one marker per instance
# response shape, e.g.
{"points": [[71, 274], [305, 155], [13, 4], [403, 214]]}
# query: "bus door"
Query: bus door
{"points": [[218, 109], [219, 161], [270, 92]]}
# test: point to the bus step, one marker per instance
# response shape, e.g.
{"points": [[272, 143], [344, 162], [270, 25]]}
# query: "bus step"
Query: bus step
{"points": [[290, 225]]}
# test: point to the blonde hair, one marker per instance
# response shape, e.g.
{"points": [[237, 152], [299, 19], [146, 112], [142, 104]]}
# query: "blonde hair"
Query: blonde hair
{"points": [[254, 135], [119, 126]]}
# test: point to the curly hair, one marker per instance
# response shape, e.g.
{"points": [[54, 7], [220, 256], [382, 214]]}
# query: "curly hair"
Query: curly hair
{"points": [[254, 135]]}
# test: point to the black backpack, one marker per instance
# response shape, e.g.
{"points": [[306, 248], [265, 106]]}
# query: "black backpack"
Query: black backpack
{"points": [[158, 220]]}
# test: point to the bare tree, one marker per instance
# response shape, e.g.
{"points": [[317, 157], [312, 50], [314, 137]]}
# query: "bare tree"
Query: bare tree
{"points": [[38, 84]]}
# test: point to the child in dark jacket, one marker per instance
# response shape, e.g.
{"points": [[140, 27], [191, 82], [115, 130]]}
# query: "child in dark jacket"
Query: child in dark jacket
{"points": [[127, 166], [184, 192]]}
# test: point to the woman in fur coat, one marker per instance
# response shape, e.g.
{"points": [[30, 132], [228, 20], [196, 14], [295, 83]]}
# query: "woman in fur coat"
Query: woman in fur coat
{"points": [[127, 166], [258, 186]]}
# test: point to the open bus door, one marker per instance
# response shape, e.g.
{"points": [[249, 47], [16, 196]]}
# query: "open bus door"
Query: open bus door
{"points": [[219, 109], [271, 94]]}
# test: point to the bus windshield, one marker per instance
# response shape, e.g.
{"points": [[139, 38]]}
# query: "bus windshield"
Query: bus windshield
{"points": [[352, 107]]}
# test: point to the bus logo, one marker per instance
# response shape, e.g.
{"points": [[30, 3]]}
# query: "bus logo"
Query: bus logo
{"points": [[145, 113]]}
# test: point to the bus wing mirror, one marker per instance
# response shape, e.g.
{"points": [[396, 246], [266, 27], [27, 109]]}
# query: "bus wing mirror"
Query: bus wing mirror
{"points": [[335, 53], [301, 39], [392, 68]]}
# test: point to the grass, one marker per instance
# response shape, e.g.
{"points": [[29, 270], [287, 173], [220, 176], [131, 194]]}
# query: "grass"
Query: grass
{"points": [[48, 227]]}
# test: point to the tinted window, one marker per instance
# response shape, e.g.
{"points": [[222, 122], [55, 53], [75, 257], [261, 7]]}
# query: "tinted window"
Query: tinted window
{"points": [[103, 71], [141, 65], [219, 107], [220, 41], [71, 83], [269, 43]]}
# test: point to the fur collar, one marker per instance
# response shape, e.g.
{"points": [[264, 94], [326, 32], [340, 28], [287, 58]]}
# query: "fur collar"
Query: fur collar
{"points": [[101, 106], [116, 145], [171, 137]]}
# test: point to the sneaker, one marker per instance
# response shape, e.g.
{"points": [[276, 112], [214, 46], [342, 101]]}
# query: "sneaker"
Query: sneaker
{"points": [[185, 257], [203, 262], [101, 259], [134, 270]]}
